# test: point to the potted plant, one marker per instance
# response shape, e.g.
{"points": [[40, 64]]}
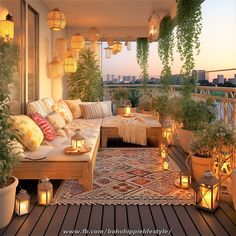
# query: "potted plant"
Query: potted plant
{"points": [[194, 115], [86, 82], [145, 105], [8, 153]]}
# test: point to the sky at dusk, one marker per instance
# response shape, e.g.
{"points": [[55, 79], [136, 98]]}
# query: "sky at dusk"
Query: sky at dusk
{"points": [[218, 45]]}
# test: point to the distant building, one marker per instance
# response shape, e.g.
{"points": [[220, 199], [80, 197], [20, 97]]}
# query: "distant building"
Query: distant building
{"points": [[199, 74], [232, 80], [219, 80]]}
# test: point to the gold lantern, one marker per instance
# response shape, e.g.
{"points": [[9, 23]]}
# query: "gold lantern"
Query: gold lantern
{"points": [[7, 28], [207, 192], [55, 68], [93, 34], [45, 192], [22, 204], [77, 141], [163, 150], [153, 24], [127, 108], [165, 165], [184, 180], [167, 133], [77, 42], [117, 47], [56, 20], [61, 48], [70, 64], [108, 52]]}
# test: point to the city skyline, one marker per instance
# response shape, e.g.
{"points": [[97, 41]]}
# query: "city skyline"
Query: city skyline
{"points": [[218, 48]]}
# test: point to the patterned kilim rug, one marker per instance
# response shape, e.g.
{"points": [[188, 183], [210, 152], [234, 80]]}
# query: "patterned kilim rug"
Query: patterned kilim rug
{"points": [[128, 176]]}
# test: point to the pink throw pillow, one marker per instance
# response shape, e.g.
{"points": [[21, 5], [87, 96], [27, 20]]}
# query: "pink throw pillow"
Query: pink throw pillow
{"points": [[44, 125]]}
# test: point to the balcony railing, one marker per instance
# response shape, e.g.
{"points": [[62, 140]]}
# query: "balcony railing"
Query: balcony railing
{"points": [[224, 97]]}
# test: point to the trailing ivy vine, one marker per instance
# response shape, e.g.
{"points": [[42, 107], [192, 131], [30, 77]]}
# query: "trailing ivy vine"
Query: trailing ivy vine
{"points": [[165, 50], [142, 57], [189, 27]]}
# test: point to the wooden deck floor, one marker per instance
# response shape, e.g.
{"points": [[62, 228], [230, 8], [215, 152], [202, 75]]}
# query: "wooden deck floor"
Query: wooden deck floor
{"points": [[140, 220]]}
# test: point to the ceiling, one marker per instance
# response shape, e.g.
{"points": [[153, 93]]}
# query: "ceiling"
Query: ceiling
{"points": [[113, 18]]}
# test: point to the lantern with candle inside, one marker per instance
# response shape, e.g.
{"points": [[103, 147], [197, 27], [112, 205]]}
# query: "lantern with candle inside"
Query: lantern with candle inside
{"points": [[77, 141], [184, 180], [127, 108], [163, 148], [22, 203], [45, 192], [167, 133], [207, 192], [165, 165]]}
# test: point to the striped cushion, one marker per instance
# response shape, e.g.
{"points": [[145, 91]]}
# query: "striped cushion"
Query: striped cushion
{"points": [[44, 125], [37, 106], [64, 110], [91, 110], [48, 103]]}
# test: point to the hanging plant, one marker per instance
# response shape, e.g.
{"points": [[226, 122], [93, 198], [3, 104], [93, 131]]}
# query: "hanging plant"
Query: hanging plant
{"points": [[189, 27], [165, 50], [142, 57]]}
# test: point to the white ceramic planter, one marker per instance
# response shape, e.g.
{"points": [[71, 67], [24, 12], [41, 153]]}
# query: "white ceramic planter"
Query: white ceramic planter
{"points": [[185, 139], [7, 202], [234, 188]]}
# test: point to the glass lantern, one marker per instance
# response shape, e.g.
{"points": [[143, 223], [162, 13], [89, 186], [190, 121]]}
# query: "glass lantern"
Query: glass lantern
{"points": [[22, 204], [167, 133], [207, 192], [184, 180], [77, 141], [163, 148], [127, 108], [45, 192], [165, 165]]}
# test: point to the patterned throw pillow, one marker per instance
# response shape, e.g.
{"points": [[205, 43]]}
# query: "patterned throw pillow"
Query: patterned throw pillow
{"points": [[74, 108], [56, 120], [48, 103], [37, 106], [91, 110], [64, 110], [30, 135], [106, 108], [44, 125]]}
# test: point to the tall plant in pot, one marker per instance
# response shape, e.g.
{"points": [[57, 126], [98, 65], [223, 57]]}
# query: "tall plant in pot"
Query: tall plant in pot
{"points": [[9, 156], [194, 115]]}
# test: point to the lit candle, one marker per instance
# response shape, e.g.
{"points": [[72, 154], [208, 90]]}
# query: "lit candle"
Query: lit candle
{"points": [[164, 133], [165, 165], [127, 111], [163, 154], [45, 198], [22, 203]]}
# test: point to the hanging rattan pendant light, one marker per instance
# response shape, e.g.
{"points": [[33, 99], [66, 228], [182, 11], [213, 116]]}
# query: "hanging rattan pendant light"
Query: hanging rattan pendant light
{"points": [[93, 34], [70, 64], [153, 24], [117, 46], [56, 20], [7, 28], [77, 42]]}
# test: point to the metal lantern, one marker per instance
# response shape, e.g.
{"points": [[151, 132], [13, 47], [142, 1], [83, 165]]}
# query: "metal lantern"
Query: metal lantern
{"points": [[207, 193], [167, 133], [93, 34], [7, 28], [61, 47], [127, 108], [165, 165], [77, 141], [45, 192], [77, 42], [164, 152], [117, 46], [55, 68], [22, 204], [184, 180], [70, 64], [108, 52], [163, 148], [153, 24], [56, 20]]}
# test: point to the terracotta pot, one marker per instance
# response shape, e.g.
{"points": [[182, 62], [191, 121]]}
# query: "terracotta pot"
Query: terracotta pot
{"points": [[7, 202], [234, 188], [120, 110], [200, 165], [147, 112], [185, 139]]}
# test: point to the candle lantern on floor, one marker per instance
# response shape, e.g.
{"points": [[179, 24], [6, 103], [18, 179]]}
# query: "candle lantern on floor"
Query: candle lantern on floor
{"points": [[184, 180], [207, 192], [167, 133], [127, 108], [163, 148], [22, 203], [77, 141], [45, 192], [165, 165]]}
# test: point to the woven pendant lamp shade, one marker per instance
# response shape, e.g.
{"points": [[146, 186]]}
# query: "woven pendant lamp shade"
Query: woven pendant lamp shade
{"points": [[153, 27], [55, 68], [93, 34], [56, 20], [70, 64], [61, 47], [117, 46], [77, 42], [7, 28]]}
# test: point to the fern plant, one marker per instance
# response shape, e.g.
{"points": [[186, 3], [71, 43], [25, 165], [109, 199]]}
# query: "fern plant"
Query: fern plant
{"points": [[86, 82]]}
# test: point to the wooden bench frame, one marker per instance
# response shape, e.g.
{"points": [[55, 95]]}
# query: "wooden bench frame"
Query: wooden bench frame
{"points": [[81, 170]]}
